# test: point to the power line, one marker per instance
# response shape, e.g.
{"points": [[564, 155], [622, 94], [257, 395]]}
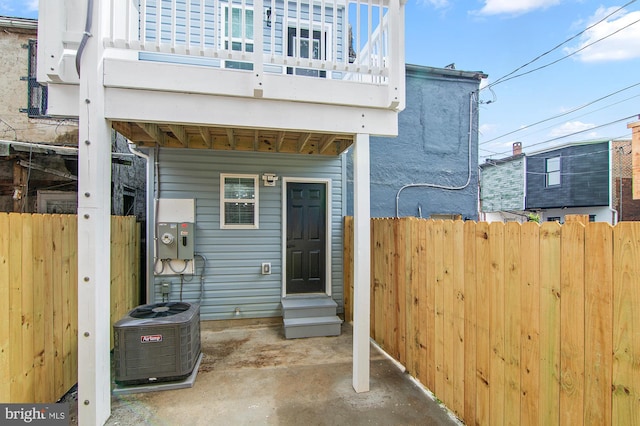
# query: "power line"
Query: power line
{"points": [[558, 46], [561, 115], [572, 134], [566, 56]]}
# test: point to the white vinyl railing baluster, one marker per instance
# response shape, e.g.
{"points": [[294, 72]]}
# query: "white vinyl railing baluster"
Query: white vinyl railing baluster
{"points": [[143, 22]]}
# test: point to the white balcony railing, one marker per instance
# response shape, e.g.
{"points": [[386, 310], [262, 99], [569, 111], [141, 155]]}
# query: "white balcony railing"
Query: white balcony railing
{"points": [[334, 39]]}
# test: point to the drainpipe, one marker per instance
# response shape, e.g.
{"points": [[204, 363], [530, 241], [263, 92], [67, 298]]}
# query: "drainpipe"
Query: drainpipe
{"points": [[469, 167], [150, 215]]}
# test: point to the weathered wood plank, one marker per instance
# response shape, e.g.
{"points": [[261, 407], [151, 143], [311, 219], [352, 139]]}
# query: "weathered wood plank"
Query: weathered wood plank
{"points": [[411, 296], [40, 304], [626, 325], [458, 325], [16, 354], [5, 306], [72, 224], [402, 276], [67, 310], [513, 322], [447, 312], [27, 283], [497, 323], [550, 255], [58, 304], [470, 321], [572, 325], [423, 314], [598, 296], [530, 319], [49, 351], [440, 329], [484, 306], [430, 321]]}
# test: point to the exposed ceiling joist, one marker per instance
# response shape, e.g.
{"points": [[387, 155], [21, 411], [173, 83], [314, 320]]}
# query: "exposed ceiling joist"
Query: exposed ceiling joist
{"points": [[232, 139], [154, 131], [303, 141], [181, 134], [279, 141], [326, 142], [206, 136]]}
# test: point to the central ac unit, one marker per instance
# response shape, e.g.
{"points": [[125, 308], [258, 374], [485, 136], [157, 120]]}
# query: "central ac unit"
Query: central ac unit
{"points": [[157, 343]]}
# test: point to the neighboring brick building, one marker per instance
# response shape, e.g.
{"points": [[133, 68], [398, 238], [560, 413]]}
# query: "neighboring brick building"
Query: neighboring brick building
{"points": [[622, 175], [34, 178]]}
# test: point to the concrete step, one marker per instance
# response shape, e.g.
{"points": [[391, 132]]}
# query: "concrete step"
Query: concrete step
{"points": [[304, 307], [296, 328]]}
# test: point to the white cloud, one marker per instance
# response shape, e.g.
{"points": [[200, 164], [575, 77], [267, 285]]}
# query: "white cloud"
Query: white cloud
{"points": [[621, 46], [514, 7], [6, 8], [571, 127], [438, 4], [32, 5], [485, 129]]}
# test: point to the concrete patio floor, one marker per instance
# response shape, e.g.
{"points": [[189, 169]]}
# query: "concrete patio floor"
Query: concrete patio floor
{"points": [[252, 375]]}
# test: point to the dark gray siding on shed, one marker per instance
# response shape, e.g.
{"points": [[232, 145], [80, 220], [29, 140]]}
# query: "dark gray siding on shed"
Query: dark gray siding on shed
{"points": [[233, 276], [584, 177], [431, 147]]}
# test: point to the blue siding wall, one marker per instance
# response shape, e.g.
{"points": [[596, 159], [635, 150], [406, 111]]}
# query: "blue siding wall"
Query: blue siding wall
{"points": [[233, 276], [431, 147], [196, 33], [584, 177]]}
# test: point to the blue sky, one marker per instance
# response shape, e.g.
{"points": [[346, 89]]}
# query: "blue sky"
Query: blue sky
{"points": [[499, 36]]}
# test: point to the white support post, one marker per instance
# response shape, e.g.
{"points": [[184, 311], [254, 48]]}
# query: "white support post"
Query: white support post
{"points": [[94, 232], [362, 263]]}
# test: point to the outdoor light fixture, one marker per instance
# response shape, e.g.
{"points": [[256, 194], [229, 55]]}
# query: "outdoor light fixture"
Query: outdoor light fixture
{"points": [[269, 179]]}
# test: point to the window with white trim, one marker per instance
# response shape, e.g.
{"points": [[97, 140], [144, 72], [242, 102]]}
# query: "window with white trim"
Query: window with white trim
{"points": [[552, 170], [241, 29], [238, 201]]}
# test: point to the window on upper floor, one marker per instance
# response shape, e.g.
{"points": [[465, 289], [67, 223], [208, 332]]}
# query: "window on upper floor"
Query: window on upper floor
{"points": [[241, 29], [238, 201], [36, 92], [552, 171]]}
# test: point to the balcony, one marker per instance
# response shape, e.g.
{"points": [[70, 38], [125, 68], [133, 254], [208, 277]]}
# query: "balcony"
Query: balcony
{"points": [[230, 75]]}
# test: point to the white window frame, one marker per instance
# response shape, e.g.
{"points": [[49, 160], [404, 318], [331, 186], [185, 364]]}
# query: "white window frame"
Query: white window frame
{"points": [[229, 38], [326, 29], [552, 173], [254, 201]]}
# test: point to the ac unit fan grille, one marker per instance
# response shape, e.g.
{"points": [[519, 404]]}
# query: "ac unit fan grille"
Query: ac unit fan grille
{"points": [[150, 347]]}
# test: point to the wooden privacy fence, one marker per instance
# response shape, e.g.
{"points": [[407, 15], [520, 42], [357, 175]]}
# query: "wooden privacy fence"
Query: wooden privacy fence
{"points": [[39, 304], [509, 323]]}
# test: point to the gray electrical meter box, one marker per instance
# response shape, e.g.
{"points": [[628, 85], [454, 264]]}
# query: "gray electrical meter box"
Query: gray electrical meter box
{"points": [[185, 240], [168, 240]]}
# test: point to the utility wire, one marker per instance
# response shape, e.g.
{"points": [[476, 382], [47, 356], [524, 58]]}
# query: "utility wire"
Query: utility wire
{"points": [[574, 133], [558, 46], [566, 56], [561, 115]]}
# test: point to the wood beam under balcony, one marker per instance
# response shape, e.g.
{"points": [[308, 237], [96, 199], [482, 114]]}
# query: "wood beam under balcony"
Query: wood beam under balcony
{"points": [[206, 136], [232, 138], [172, 135], [303, 140], [180, 133]]}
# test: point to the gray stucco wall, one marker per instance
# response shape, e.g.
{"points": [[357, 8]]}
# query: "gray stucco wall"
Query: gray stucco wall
{"points": [[502, 185], [432, 147]]}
